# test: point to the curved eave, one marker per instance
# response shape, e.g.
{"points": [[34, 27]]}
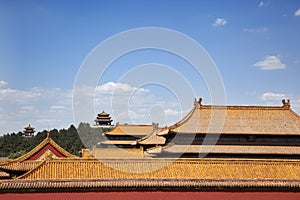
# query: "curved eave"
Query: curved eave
{"points": [[181, 122], [153, 139], [23, 166], [146, 184], [4, 175]]}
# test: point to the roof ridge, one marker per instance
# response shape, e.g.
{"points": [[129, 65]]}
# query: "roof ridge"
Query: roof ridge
{"points": [[243, 107], [117, 129], [60, 149], [131, 129], [135, 124], [46, 141], [154, 136], [294, 113], [32, 151], [32, 170], [183, 120], [176, 160]]}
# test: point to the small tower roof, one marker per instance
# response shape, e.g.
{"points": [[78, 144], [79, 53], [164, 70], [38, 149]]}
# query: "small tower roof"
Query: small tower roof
{"points": [[29, 127], [29, 130], [104, 119], [103, 114]]}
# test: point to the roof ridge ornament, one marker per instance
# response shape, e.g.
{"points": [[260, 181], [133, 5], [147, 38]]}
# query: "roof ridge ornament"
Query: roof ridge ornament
{"points": [[48, 134], [48, 156], [286, 104], [155, 126], [198, 103]]}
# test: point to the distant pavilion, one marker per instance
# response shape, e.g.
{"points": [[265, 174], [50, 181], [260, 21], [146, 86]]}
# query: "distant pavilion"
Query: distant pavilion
{"points": [[103, 120], [28, 131]]}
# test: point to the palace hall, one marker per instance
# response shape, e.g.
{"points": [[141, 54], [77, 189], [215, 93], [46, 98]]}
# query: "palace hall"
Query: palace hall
{"points": [[213, 149]]}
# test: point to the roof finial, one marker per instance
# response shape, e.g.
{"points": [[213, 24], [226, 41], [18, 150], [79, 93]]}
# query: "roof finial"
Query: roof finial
{"points": [[286, 104], [48, 134], [48, 156], [198, 103], [155, 126], [195, 102]]}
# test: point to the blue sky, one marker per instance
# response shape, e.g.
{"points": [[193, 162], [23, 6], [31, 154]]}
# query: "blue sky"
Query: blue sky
{"points": [[255, 45]]}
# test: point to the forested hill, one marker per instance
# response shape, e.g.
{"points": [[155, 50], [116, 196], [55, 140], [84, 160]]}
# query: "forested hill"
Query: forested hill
{"points": [[14, 145]]}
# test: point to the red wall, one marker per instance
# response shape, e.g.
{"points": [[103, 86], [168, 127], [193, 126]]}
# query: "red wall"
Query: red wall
{"points": [[153, 196]]}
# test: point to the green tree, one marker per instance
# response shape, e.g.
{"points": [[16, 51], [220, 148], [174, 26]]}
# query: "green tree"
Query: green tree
{"points": [[14, 145], [90, 136]]}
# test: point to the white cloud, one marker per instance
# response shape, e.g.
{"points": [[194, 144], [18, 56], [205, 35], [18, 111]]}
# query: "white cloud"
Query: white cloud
{"points": [[136, 115], [47, 121], [270, 63], [28, 110], [256, 30], [262, 4], [57, 108], [110, 87], [142, 107], [19, 96], [297, 12], [3, 84], [33, 105], [171, 112], [270, 96], [220, 22], [52, 107], [296, 61]]}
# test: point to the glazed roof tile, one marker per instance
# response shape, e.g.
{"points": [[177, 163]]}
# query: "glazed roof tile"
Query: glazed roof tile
{"points": [[131, 130], [272, 120], [24, 164], [145, 184], [165, 169]]}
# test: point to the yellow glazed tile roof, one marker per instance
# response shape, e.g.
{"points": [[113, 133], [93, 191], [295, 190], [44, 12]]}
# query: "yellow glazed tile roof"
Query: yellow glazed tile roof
{"points": [[20, 166], [3, 174], [23, 164], [275, 120], [152, 139], [165, 169], [46, 141], [126, 129]]}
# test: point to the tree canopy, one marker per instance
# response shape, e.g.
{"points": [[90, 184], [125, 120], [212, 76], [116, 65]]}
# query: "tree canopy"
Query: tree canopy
{"points": [[15, 144]]}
